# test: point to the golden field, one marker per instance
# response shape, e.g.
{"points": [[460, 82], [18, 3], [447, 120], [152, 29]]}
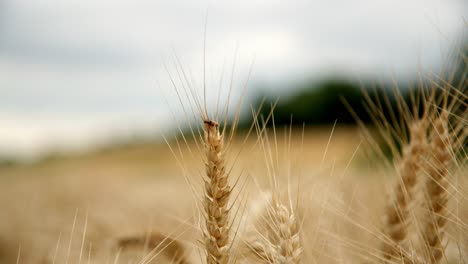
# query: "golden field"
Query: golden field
{"points": [[79, 208]]}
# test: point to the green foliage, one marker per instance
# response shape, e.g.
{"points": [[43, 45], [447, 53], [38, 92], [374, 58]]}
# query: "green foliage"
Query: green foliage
{"points": [[319, 103]]}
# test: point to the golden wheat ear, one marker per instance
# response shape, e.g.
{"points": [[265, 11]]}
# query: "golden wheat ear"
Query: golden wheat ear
{"points": [[217, 194], [285, 235], [446, 154], [171, 248], [437, 169], [397, 219], [276, 236], [213, 137]]}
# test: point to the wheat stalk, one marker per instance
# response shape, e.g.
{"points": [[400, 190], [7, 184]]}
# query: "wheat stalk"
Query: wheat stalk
{"points": [[397, 213], [217, 193], [436, 188]]}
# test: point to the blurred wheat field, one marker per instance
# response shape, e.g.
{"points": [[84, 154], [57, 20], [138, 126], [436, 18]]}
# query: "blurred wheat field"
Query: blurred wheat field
{"points": [[76, 209], [277, 195], [124, 192], [363, 159]]}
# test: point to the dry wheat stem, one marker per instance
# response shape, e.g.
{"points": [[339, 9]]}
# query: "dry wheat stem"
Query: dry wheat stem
{"points": [[436, 188], [397, 213], [217, 193]]}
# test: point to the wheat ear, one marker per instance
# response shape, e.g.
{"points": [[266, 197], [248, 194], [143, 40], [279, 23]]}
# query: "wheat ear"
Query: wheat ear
{"points": [[436, 188], [277, 238], [397, 213], [217, 193], [285, 240]]}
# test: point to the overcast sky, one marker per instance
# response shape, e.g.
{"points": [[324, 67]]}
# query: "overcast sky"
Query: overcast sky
{"points": [[76, 72]]}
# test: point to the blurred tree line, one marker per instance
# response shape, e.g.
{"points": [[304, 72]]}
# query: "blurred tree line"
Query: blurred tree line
{"points": [[330, 100], [324, 102]]}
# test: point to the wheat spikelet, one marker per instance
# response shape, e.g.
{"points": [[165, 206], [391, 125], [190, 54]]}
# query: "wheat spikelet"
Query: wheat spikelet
{"points": [[217, 193], [286, 240], [436, 188], [276, 238], [397, 213]]}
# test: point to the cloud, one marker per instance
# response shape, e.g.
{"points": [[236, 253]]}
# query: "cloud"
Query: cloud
{"points": [[82, 58]]}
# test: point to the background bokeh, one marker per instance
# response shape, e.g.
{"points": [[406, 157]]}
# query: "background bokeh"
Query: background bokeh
{"points": [[88, 89], [79, 74]]}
